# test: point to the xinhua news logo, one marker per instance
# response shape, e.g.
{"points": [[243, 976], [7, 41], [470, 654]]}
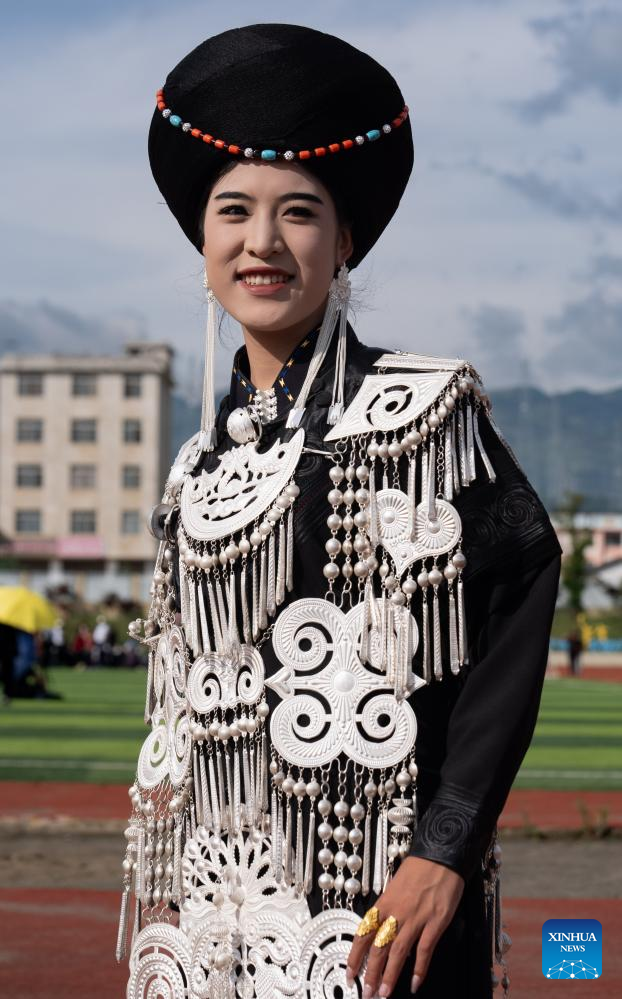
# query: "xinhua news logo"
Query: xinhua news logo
{"points": [[572, 948]]}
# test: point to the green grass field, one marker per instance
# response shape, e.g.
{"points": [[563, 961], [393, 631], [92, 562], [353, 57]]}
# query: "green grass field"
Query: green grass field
{"points": [[95, 733]]}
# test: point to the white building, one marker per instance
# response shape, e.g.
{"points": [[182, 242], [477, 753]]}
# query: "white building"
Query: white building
{"points": [[84, 453]]}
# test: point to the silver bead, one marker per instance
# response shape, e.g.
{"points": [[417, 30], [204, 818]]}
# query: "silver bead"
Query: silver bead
{"points": [[331, 570], [372, 449], [409, 585], [292, 490], [300, 788], [413, 769], [313, 789], [354, 863], [348, 522], [341, 858], [326, 881], [340, 835], [352, 886], [422, 579], [248, 152], [357, 812], [393, 851], [342, 809], [435, 577], [362, 496], [186, 126], [398, 598], [403, 779], [325, 856], [370, 790], [336, 474], [324, 807], [333, 522], [333, 546], [335, 497], [450, 571], [288, 785], [433, 421], [355, 836], [362, 473], [325, 830], [349, 496], [389, 786], [359, 140], [459, 560], [288, 154], [386, 129], [339, 882], [167, 113], [395, 449]]}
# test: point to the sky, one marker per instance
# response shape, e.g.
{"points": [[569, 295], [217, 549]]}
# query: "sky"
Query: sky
{"points": [[506, 248]]}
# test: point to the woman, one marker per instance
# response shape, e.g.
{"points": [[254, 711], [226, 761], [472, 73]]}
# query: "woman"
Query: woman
{"points": [[355, 582]]}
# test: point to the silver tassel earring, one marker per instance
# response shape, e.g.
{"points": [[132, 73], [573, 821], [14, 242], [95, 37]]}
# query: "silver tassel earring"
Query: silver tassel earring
{"points": [[336, 308], [207, 435], [342, 292]]}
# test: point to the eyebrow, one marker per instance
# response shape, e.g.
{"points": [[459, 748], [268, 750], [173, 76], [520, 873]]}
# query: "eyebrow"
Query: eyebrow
{"points": [[291, 196]]}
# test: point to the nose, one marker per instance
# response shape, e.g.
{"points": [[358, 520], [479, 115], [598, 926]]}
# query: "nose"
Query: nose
{"points": [[263, 236]]}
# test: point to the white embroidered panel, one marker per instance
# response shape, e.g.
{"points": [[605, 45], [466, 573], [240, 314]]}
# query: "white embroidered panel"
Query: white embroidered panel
{"points": [[332, 703], [429, 537], [224, 681], [419, 362], [386, 402], [245, 483]]}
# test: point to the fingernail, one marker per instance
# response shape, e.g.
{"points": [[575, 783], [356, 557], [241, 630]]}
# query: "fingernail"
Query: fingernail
{"points": [[367, 992], [349, 977], [384, 991], [416, 982]]}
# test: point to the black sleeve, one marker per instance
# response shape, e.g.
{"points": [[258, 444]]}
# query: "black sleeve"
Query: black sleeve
{"points": [[511, 588]]}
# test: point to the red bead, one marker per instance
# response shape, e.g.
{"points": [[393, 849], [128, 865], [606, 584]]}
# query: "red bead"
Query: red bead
{"points": [[196, 132], [161, 105], [219, 143], [335, 147], [320, 151], [234, 149], [208, 138], [304, 154], [347, 143]]}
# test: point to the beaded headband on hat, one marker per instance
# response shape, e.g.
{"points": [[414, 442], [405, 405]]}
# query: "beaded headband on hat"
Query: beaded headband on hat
{"points": [[273, 154]]}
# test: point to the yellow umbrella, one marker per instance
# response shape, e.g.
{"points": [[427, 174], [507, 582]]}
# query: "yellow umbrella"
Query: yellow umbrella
{"points": [[23, 609]]}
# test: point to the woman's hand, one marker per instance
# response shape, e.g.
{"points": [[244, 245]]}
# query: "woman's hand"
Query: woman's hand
{"points": [[423, 897]]}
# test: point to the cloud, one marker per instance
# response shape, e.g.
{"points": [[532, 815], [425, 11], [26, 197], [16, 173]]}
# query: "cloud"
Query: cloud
{"points": [[47, 328], [498, 335], [605, 265], [586, 344], [550, 193], [586, 47]]}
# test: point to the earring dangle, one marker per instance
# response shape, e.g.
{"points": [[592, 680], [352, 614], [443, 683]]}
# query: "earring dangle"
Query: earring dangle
{"points": [[207, 435], [341, 292], [336, 309]]}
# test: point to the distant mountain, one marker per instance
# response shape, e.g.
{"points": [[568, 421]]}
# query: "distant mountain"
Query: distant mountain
{"points": [[566, 442]]}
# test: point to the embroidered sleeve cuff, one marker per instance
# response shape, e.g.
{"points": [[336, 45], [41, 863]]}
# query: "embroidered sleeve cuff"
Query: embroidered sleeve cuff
{"points": [[453, 831]]}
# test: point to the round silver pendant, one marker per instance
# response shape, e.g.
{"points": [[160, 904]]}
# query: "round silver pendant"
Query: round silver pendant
{"points": [[244, 425]]}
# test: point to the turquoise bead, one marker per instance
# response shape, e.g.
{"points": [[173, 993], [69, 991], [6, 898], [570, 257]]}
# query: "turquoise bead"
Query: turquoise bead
{"points": [[374, 134], [175, 119], [268, 154]]}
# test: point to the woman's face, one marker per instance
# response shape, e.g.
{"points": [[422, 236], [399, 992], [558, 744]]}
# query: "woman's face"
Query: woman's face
{"points": [[272, 242]]}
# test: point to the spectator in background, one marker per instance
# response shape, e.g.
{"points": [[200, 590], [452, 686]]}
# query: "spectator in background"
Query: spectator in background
{"points": [[81, 646], [575, 648], [103, 639]]}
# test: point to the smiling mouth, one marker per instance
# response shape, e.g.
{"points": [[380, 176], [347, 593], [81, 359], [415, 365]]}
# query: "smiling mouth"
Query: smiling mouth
{"points": [[264, 279]]}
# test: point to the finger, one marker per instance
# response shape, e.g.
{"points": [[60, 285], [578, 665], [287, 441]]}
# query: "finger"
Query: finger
{"points": [[398, 953], [376, 961], [425, 948], [358, 951]]}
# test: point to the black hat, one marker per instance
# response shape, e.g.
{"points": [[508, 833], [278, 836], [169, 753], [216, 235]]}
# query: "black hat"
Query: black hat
{"points": [[274, 91]]}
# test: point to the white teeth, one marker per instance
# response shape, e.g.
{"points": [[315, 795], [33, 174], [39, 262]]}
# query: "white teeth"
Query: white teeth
{"points": [[255, 279]]}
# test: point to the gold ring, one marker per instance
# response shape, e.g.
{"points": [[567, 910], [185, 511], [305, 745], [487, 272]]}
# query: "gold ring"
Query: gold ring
{"points": [[369, 923], [387, 932]]}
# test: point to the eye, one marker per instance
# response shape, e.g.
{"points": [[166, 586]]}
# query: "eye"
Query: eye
{"points": [[232, 210], [300, 211]]}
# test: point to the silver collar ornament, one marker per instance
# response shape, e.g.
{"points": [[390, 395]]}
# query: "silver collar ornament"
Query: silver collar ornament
{"points": [[236, 807]]}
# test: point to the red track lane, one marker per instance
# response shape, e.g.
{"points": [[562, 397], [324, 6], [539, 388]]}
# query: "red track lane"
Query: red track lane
{"points": [[59, 944], [55, 800]]}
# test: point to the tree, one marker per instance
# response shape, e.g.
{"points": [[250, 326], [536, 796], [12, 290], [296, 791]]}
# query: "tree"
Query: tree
{"points": [[574, 565]]}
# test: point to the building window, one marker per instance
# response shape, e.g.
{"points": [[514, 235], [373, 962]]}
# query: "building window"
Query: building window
{"points": [[29, 476], [29, 430], [84, 383], [82, 476], [30, 383], [83, 431], [82, 522], [132, 387], [613, 538], [131, 431], [28, 521], [130, 476], [130, 521]]}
